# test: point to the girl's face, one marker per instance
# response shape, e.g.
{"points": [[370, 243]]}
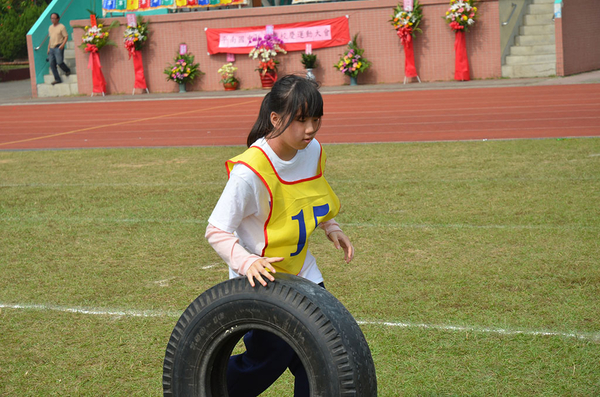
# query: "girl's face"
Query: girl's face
{"points": [[297, 136]]}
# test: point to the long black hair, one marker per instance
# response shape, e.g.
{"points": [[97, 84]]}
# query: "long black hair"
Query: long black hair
{"points": [[289, 96]]}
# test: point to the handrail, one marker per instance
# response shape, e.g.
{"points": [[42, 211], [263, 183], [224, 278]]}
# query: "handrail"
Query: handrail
{"points": [[514, 7], [515, 28], [47, 35], [43, 41]]}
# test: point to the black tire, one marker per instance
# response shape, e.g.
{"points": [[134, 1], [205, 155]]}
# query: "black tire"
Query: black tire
{"points": [[313, 322]]}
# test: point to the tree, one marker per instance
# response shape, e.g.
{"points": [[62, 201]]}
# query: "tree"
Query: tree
{"points": [[16, 18]]}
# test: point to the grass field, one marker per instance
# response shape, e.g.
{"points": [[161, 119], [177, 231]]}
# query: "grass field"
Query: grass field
{"points": [[476, 269]]}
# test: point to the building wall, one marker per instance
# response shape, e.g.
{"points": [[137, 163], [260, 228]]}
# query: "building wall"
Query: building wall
{"points": [[434, 49], [578, 37]]}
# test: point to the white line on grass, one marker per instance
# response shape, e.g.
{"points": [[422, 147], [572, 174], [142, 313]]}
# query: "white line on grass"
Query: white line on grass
{"points": [[467, 226], [162, 313], [104, 220], [92, 311], [114, 184], [501, 331]]}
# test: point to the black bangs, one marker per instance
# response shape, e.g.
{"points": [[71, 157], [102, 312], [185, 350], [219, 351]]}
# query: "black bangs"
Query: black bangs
{"points": [[310, 103], [302, 100]]}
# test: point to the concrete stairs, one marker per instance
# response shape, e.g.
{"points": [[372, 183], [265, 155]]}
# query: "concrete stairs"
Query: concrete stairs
{"points": [[68, 85], [534, 52]]}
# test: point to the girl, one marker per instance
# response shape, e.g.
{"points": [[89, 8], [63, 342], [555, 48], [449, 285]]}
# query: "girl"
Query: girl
{"points": [[275, 197]]}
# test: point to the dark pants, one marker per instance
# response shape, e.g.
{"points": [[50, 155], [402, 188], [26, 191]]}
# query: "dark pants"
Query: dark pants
{"points": [[56, 57], [267, 356]]}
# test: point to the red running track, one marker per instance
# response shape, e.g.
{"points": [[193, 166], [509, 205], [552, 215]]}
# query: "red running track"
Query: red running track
{"points": [[442, 115]]}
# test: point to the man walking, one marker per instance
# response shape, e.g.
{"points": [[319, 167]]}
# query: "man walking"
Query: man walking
{"points": [[56, 47]]}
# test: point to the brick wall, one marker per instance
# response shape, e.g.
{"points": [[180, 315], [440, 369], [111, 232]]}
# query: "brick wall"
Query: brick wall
{"points": [[434, 49], [578, 37]]}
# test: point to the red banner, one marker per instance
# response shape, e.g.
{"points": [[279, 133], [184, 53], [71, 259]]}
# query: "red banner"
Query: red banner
{"points": [[461, 64], [320, 34]]}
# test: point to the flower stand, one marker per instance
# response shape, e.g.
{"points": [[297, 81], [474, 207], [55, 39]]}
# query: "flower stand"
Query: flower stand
{"points": [[309, 74], [181, 87], [353, 81], [138, 67], [98, 81], [410, 71], [461, 67], [268, 79]]}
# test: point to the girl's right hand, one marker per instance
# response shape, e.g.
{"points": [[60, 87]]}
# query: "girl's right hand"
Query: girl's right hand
{"points": [[262, 267]]}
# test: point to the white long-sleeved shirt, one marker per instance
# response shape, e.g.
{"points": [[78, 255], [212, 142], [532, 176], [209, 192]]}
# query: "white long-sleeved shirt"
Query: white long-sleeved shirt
{"points": [[236, 225]]}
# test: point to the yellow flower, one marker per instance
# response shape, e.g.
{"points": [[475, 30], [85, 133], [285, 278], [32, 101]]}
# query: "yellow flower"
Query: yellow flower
{"points": [[100, 25], [410, 24], [464, 17], [358, 65], [474, 9], [87, 27]]}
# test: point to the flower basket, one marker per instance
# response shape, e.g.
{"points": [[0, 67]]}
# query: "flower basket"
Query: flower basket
{"points": [[353, 62], [95, 37], [267, 48], [184, 70], [461, 17], [134, 38], [227, 72], [406, 23]]}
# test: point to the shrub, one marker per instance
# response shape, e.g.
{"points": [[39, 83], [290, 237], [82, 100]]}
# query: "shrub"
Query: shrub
{"points": [[13, 31]]}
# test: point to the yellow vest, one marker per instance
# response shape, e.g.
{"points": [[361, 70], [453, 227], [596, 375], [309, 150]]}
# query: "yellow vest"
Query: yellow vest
{"points": [[297, 208]]}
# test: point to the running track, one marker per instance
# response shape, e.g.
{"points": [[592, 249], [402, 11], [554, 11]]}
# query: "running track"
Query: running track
{"points": [[442, 115]]}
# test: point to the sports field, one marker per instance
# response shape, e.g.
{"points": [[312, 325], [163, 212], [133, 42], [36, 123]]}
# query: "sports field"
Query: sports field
{"points": [[476, 269]]}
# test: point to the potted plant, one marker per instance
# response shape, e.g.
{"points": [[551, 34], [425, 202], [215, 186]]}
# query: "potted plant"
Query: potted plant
{"points": [[227, 72], [267, 48], [352, 62], [309, 61], [183, 71]]}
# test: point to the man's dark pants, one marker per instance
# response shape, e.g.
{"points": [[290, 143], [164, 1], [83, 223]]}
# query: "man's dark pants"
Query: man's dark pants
{"points": [[56, 57]]}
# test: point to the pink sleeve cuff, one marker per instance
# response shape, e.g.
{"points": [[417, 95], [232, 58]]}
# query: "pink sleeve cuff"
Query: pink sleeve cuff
{"points": [[230, 250], [330, 226]]}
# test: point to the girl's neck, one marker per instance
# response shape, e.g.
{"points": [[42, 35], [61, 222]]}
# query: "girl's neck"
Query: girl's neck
{"points": [[283, 151]]}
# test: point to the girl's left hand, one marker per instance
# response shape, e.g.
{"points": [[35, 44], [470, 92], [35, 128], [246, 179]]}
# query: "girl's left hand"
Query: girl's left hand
{"points": [[340, 240]]}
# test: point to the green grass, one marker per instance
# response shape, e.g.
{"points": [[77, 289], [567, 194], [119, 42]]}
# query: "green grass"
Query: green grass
{"points": [[481, 235], [10, 67]]}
